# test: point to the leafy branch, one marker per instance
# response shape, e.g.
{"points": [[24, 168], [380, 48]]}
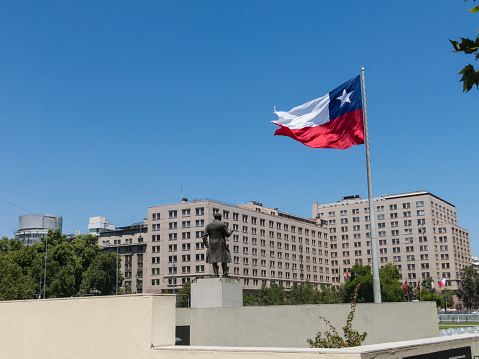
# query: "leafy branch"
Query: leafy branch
{"points": [[332, 339], [470, 76]]}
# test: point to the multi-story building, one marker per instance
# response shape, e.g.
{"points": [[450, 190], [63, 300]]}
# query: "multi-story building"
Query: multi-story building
{"points": [[267, 246], [416, 231], [130, 243], [32, 227]]}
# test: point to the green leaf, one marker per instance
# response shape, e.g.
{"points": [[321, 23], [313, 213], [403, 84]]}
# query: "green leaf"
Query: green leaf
{"points": [[470, 77], [474, 10]]}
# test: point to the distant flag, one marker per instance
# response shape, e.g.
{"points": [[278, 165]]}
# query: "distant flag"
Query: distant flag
{"points": [[418, 286], [432, 286], [347, 274], [332, 121], [405, 287], [442, 282]]}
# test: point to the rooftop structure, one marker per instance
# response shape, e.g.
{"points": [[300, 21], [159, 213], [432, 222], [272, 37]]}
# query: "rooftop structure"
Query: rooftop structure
{"points": [[32, 227], [97, 225]]}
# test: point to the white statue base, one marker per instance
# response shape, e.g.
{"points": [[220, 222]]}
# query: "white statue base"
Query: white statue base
{"points": [[216, 293]]}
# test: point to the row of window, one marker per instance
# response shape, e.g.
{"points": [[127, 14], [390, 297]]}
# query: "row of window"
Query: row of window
{"points": [[392, 207]]}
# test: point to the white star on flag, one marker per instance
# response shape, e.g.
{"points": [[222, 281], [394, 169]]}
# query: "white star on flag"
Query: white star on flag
{"points": [[344, 97]]}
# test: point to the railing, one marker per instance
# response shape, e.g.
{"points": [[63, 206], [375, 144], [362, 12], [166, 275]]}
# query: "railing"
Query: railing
{"points": [[458, 318]]}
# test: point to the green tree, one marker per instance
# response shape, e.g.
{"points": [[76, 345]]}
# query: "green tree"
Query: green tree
{"points": [[73, 267], [391, 290], [360, 274], [408, 294], [13, 283], [427, 284], [331, 295], [101, 275], [184, 295], [470, 76], [249, 300], [303, 294], [447, 298], [429, 297], [272, 295], [469, 287]]}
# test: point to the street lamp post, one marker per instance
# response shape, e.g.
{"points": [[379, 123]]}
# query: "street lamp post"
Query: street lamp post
{"points": [[45, 273], [301, 262], [174, 280], [116, 286]]}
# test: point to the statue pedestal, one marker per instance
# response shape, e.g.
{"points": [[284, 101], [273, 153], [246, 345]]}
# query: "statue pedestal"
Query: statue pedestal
{"points": [[216, 293]]}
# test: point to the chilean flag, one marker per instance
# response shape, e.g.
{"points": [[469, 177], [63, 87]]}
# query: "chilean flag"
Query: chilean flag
{"points": [[332, 121], [442, 282]]}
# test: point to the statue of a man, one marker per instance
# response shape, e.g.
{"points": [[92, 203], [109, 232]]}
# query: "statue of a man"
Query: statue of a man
{"points": [[217, 251]]}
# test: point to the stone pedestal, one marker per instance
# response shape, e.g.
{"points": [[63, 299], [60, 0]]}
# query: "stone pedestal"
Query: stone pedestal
{"points": [[216, 293]]}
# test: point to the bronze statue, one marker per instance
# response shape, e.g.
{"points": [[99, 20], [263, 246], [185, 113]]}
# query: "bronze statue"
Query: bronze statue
{"points": [[218, 251]]}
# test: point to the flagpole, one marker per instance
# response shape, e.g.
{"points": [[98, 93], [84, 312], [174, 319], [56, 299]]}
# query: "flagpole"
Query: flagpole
{"points": [[372, 219]]}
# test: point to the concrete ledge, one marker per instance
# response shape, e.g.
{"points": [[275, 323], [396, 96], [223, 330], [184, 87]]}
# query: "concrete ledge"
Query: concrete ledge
{"points": [[376, 351]]}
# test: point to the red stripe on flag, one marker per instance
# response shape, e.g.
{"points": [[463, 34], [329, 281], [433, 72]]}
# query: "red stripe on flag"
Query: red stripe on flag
{"points": [[341, 133]]}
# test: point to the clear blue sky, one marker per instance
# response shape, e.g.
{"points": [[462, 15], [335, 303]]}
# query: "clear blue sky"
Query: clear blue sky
{"points": [[108, 107]]}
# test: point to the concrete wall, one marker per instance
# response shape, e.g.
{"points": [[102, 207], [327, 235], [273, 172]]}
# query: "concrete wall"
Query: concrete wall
{"points": [[90, 327], [290, 326], [142, 327]]}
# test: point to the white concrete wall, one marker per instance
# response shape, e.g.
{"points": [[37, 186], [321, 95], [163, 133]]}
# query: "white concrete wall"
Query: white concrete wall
{"points": [[90, 327], [290, 326], [142, 327]]}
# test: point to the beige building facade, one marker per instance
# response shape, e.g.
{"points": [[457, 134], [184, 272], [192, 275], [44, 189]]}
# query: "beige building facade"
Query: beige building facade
{"points": [[131, 244], [267, 246], [416, 231]]}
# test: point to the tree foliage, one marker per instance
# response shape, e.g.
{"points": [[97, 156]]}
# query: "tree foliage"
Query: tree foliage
{"points": [[469, 287], [470, 76], [184, 295], [360, 274], [73, 267], [427, 283], [391, 290], [307, 293]]}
